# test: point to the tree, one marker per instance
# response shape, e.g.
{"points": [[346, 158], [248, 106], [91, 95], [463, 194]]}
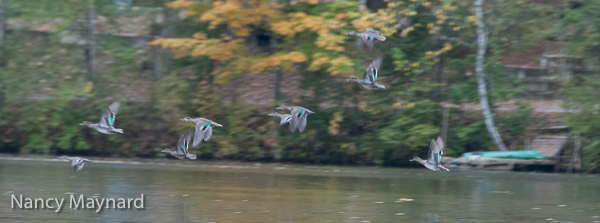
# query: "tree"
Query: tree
{"points": [[481, 86], [2, 21]]}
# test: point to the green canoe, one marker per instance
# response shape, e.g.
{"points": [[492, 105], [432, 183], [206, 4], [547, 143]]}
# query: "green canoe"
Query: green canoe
{"points": [[518, 154]]}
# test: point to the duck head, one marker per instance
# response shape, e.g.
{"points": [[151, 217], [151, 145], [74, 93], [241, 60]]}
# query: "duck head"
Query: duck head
{"points": [[85, 123], [186, 119], [417, 159], [351, 33]]}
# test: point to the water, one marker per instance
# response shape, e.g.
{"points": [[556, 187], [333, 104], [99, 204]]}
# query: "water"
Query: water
{"points": [[178, 191]]}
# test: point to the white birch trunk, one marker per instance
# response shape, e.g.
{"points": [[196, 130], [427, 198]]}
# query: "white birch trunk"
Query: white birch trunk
{"points": [[481, 86]]}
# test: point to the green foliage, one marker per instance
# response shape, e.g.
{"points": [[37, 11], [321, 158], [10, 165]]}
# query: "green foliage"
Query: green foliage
{"points": [[584, 98]]}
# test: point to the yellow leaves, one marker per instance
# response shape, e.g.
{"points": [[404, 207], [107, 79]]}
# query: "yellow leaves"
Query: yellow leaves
{"points": [[309, 1], [334, 123], [319, 61], [207, 17], [411, 13], [447, 47], [340, 16], [472, 18], [179, 4], [298, 22], [406, 31], [217, 3], [361, 24], [239, 16], [199, 35], [89, 86], [427, 4], [278, 60], [331, 42], [340, 65]]}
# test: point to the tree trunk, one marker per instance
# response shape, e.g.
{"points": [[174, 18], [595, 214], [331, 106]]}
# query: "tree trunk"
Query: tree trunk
{"points": [[163, 55], [91, 57], [2, 21], [362, 5], [436, 69], [575, 164], [274, 132], [481, 88]]}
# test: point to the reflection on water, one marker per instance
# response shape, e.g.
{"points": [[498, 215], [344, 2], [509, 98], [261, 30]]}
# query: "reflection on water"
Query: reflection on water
{"points": [[223, 192]]}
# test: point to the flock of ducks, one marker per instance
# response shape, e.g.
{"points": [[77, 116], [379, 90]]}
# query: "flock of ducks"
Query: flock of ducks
{"points": [[297, 118]]}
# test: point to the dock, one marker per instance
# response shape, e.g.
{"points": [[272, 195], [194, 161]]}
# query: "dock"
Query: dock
{"points": [[550, 146]]}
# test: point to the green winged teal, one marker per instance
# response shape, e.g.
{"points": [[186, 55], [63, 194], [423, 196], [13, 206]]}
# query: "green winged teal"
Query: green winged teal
{"points": [[285, 118], [203, 128], [368, 37], [107, 120], [76, 162], [436, 150], [299, 117], [369, 80], [182, 147]]}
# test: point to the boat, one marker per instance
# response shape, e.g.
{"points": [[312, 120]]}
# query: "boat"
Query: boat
{"points": [[515, 154]]}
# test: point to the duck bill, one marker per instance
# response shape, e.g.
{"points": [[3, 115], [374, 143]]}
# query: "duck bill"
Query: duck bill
{"points": [[181, 120], [411, 160]]}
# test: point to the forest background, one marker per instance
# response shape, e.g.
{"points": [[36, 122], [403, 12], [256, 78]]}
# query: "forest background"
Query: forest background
{"points": [[64, 61]]}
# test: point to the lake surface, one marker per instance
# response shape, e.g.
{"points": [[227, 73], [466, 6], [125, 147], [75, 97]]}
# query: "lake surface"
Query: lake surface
{"points": [[195, 191]]}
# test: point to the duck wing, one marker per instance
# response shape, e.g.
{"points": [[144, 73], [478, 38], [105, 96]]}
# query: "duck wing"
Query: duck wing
{"points": [[375, 34], [372, 71], [369, 43], [207, 133], [201, 126], [302, 123], [295, 121], [436, 151], [107, 119], [78, 167], [184, 142]]}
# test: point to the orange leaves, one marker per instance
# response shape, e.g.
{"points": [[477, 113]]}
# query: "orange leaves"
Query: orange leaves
{"points": [[331, 42], [383, 21], [317, 63], [309, 1], [278, 60], [340, 16], [199, 45], [299, 22], [179, 4], [239, 16], [341, 65]]}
